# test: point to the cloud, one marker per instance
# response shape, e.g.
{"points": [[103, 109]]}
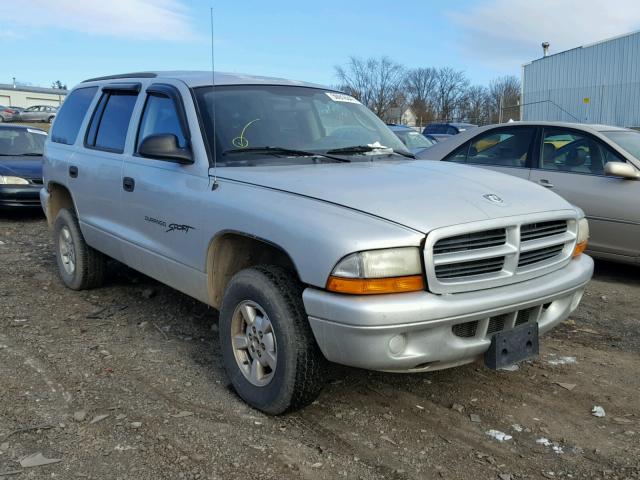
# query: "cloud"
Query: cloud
{"points": [[129, 19], [509, 32]]}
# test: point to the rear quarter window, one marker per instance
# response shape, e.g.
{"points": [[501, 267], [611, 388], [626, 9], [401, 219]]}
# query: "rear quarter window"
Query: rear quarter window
{"points": [[71, 114]]}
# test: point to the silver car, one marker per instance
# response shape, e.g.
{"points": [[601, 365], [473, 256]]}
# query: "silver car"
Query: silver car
{"points": [[595, 167], [38, 113], [296, 212]]}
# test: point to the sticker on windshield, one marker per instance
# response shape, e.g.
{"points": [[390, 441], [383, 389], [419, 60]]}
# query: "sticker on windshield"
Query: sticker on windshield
{"points": [[41, 132], [341, 97]]}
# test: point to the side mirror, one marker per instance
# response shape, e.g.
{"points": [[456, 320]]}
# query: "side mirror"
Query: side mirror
{"points": [[621, 169], [165, 147]]}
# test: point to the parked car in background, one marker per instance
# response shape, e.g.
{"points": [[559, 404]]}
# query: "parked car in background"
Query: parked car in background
{"points": [[7, 114], [438, 137], [38, 113], [315, 232], [20, 165], [450, 128], [414, 141], [596, 167]]}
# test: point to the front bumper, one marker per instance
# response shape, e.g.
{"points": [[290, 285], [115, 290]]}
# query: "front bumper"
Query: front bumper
{"points": [[415, 331], [12, 196]]}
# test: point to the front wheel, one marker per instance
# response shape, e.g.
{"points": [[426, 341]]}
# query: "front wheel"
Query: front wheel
{"points": [[80, 266], [268, 349], [50, 119]]}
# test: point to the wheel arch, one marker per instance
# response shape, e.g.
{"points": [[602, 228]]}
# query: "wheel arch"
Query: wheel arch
{"points": [[59, 197], [231, 251]]}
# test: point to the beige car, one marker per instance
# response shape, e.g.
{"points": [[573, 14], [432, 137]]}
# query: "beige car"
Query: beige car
{"points": [[595, 167]]}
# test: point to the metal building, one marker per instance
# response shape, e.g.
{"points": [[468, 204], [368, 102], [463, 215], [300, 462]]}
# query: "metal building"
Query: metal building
{"points": [[21, 96], [596, 83]]}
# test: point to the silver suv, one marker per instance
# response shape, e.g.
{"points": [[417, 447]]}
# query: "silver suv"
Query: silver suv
{"points": [[298, 214]]}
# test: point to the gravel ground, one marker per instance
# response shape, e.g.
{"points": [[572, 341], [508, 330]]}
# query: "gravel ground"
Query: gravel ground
{"points": [[126, 382]]}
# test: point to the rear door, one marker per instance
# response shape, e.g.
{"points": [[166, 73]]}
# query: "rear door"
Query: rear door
{"points": [[95, 170], [504, 149], [163, 199], [571, 164]]}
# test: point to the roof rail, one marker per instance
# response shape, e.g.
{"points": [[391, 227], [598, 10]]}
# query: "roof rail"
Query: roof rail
{"points": [[123, 75]]}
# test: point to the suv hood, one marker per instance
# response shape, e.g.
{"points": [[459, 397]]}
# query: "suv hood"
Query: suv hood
{"points": [[421, 195]]}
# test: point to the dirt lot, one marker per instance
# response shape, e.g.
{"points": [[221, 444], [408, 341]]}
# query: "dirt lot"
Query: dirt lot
{"points": [[146, 356]]}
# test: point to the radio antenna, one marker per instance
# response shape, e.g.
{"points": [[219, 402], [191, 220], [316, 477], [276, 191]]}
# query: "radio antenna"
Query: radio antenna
{"points": [[213, 107]]}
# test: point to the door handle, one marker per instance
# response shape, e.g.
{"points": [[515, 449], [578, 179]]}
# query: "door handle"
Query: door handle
{"points": [[545, 183], [73, 171], [128, 184]]}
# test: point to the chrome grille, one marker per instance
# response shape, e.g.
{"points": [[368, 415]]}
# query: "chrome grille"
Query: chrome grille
{"points": [[471, 241], [534, 256], [531, 231], [466, 269], [498, 252]]}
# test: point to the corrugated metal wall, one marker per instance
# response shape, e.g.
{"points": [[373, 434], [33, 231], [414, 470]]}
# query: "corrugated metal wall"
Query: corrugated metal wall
{"points": [[592, 84]]}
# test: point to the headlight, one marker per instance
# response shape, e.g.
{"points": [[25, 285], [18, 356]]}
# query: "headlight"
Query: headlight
{"points": [[390, 270], [583, 237], [13, 181]]}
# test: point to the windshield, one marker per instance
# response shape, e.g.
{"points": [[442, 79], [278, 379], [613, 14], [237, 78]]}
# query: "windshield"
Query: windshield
{"points": [[630, 141], [21, 141], [414, 139], [251, 117]]}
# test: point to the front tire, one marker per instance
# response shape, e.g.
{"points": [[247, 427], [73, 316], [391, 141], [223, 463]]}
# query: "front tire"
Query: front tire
{"points": [[80, 266], [268, 349], [50, 119]]}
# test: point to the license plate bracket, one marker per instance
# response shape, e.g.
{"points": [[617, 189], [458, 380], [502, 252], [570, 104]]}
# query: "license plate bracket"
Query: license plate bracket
{"points": [[512, 346]]}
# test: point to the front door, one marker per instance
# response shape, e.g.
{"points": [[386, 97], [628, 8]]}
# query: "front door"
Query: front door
{"points": [[163, 200], [571, 164]]}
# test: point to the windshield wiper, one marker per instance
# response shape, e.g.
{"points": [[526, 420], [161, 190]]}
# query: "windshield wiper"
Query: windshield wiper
{"points": [[355, 149], [30, 154], [282, 151]]}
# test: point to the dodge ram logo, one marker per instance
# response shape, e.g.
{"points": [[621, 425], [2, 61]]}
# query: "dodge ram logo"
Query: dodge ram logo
{"points": [[493, 198]]}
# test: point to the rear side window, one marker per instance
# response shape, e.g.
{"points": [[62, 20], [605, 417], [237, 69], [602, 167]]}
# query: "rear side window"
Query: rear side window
{"points": [[71, 114], [110, 121]]}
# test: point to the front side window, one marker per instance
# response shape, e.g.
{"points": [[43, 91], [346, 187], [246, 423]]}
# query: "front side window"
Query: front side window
{"points": [[572, 151], [160, 117], [71, 114], [507, 147], [110, 121], [295, 118]]}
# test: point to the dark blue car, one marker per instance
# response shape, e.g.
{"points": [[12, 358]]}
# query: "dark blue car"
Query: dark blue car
{"points": [[450, 128], [21, 150]]}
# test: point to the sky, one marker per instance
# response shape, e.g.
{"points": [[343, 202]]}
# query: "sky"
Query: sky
{"points": [[71, 40]]}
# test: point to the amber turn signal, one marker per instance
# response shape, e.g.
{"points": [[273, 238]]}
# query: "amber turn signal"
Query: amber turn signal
{"points": [[580, 248], [373, 286]]}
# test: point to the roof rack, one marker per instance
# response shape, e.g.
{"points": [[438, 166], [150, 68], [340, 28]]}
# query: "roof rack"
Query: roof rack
{"points": [[123, 75]]}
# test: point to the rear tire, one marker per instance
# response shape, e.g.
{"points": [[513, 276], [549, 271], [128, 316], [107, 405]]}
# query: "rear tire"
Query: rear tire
{"points": [[50, 119], [80, 267], [268, 349]]}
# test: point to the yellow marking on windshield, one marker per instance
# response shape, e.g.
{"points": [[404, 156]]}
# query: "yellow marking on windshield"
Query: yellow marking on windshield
{"points": [[241, 141]]}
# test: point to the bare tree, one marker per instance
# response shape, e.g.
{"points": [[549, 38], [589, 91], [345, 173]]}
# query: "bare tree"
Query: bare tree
{"points": [[504, 92], [420, 87], [450, 92], [475, 105], [376, 82]]}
